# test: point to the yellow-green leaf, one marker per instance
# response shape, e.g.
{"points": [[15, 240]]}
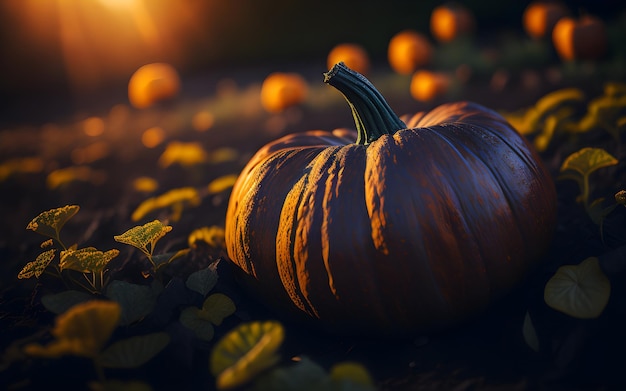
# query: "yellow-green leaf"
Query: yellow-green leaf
{"points": [[50, 222], [81, 331], [213, 236], [222, 183], [353, 373], [142, 235], [185, 154], [549, 103], [581, 291], [175, 198], [37, 267], [588, 160], [217, 307], [86, 260], [245, 352]]}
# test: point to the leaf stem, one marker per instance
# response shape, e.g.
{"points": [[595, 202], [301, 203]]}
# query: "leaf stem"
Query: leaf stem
{"points": [[372, 114]]}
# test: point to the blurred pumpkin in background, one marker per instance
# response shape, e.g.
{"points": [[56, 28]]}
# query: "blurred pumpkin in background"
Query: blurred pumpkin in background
{"points": [[153, 83], [282, 90], [353, 55], [408, 50], [427, 85], [540, 17], [580, 39], [450, 21]]}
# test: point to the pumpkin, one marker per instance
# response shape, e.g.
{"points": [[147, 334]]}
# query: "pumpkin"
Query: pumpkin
{"points": [[450, 21], [152, 83], [354, 56], [540, 17], [427, 85], [407, 51], [404, 226], [580, 39], [281, 90]]}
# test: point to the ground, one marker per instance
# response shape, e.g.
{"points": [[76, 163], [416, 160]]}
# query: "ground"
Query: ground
{"points": [[486, 353]]}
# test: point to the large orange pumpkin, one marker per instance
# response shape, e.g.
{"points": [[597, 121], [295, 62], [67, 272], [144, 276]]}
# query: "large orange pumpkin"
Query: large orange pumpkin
{"points": [[580, 39], [415, 225], [450, 21], [540, 17]]}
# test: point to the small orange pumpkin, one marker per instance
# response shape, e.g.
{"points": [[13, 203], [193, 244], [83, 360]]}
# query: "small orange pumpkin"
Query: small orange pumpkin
{"points": [[580, 39], [153, 83], [451, 20], [282, 90], [427, 85], [353, 55], [408, 50], [540, 17]]}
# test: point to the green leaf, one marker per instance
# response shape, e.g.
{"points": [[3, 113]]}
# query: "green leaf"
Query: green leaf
{"points": [[60, 302], [588, 160], [202, 281], [142, 235], [135, 351], [245, 352], [217, 307], [164, 259], [86, 260], [303, 375], [136, 301], [529, 333], [37, 267], [351, 375], [49, 223], [581, 291], [202, 328]]}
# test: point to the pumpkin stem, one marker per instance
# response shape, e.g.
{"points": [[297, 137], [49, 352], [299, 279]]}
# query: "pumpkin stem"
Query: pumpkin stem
{"points": [[372, 115]]}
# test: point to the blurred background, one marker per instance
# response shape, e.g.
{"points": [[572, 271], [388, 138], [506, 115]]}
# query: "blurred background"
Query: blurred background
{"points": [[62, 55]]}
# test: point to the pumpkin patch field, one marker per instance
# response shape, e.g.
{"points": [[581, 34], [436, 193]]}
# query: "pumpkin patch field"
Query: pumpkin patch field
{"points": [[204, 197]]}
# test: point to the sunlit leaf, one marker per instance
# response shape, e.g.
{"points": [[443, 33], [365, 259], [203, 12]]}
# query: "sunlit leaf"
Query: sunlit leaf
{"points": [[81, 331], [60, 302], [50, 222], [549, 103], [136, 301], [588, 160], [581, 291], [213, 236], [37, 267], [26, 165], [185, 154], [135, 351], [351, 372], [202, 281], [86, 260], [222, 183], [245, 352], [142, 235], [202, 328], [529, 333], [175, 198], [47, 243], [63, 176], [217, 307]]}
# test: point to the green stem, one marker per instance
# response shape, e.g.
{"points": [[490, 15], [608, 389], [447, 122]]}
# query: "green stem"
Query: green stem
{"points": [[372, 115]]}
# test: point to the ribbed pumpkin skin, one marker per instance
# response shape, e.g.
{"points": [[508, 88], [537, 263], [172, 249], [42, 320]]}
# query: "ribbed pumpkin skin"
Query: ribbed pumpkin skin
{"points": [[411, 233]]}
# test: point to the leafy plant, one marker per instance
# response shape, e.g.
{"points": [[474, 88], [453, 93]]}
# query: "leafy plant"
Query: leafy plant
{"points": [[89, 261], [248, 356], [578, 167], [215, 308], [175, 199], [144, 238], [84, 330], [581, 291]]}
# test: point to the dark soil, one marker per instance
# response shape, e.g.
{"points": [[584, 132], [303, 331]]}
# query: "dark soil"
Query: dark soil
{"points": [[487, 353]]}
